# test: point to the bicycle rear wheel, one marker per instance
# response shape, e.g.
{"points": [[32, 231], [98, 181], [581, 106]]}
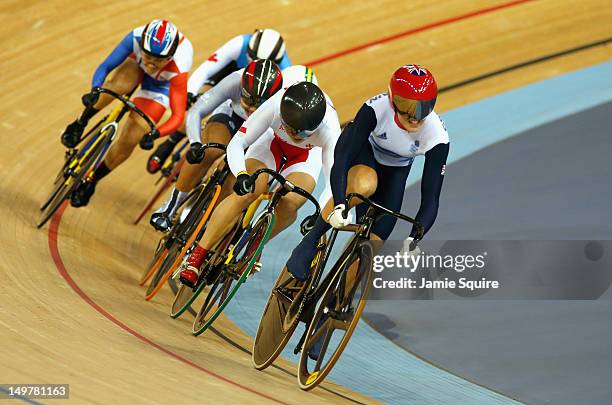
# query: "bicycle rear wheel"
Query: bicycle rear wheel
{"points": [[65, 184], [281, 314], [232, 276], [339, 310]]}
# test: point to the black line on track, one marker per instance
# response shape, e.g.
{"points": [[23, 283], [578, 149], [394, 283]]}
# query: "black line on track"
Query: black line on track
{"points": [[227, 339], [521, 65], [524, 64]]}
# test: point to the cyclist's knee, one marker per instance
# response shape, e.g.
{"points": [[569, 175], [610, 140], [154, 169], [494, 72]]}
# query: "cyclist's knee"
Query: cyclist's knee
{"points": [[365, 186], [126, 77], [216, 132], [362, 179], [119, 84], [210, 156], [290, 204], [121, 151]]}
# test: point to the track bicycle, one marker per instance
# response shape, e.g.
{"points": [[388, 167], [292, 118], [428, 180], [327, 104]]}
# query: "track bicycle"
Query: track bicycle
{"points": [[79, 163], [325, 304]]}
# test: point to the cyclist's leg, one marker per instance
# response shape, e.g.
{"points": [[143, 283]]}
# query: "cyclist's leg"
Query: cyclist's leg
{"points": [[230, 208], [131, 133], [302, 168], [224, 216], [215, 131], [152, 99], [221, 221], [122, 80], [286, 210], [361, 178], [389, 194], [219, 129]]}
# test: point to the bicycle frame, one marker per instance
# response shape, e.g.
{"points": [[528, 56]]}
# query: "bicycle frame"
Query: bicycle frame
{"points": [[362, 231], [109, 122], [273, 199]]}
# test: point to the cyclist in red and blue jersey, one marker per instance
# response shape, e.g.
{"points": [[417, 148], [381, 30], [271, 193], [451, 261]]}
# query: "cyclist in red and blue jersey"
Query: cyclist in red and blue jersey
{"points": [[234, 55], [158, 58]]}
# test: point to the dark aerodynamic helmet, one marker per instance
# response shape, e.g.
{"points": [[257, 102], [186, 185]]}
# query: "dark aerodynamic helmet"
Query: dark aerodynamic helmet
{"points": [[261, 79], [303, 108]]}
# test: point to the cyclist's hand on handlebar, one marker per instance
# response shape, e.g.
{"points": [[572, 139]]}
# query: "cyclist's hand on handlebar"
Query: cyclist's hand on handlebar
{"points": [[244, 184], [411, 247], [195, 154], [337, 218], [90, 98], [148, 139]]}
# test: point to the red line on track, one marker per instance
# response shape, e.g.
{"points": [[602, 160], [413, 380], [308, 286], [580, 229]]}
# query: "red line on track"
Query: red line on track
{"points": [[414, 31], [57, 259]]}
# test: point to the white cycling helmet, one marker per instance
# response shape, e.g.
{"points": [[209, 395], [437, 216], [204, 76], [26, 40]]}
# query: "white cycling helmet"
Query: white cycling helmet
{"points": [[298, 73], [266, 44]]}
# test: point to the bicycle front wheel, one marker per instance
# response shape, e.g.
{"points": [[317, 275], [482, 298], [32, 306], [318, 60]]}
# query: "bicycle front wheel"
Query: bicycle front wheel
{"points": [[232, 276], [282, 313], [339, 310], [65, 184], [271, 337]]}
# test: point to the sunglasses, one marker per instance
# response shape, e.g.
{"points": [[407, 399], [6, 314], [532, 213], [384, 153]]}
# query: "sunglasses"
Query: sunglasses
{"points": [[412, 110]]}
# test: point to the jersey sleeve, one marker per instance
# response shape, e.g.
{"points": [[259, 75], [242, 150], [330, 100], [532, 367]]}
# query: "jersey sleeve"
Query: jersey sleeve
{"points": [[332, 132], [285, 62], [178, 104], [118, 55], [254, 127], [208, 102], [352, 139], [431, 186], [225, 55]]}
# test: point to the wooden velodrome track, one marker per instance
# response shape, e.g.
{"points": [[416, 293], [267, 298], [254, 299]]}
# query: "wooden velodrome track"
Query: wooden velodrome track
{"points": [[70, 308]]}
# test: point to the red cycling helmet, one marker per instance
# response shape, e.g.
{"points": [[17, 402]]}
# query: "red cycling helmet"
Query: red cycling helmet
{"points": [[413, 91]]}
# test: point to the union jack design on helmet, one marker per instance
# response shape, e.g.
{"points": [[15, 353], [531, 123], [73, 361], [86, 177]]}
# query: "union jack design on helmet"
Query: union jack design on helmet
{"points": [[160, 38], [413, 91]]}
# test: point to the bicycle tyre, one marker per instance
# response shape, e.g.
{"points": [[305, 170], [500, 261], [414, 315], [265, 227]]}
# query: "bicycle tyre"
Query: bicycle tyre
{"points": [[66, 187], [364, 252], [274, 331], [261, 229]]}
